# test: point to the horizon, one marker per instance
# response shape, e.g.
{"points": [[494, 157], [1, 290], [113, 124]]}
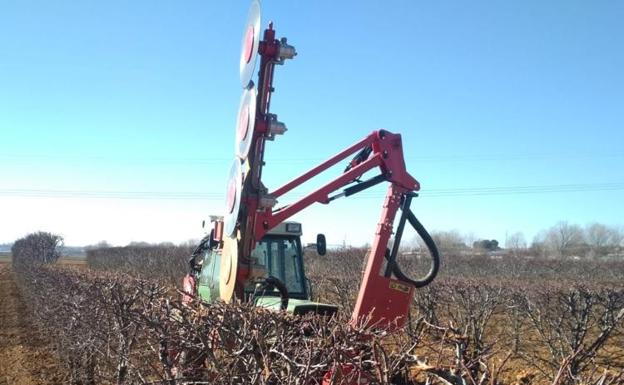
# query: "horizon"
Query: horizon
{"points": [[609, 234]]}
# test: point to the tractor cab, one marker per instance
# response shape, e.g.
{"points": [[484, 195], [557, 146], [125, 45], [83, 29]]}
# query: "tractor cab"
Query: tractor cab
{"points": [[278, 255]]}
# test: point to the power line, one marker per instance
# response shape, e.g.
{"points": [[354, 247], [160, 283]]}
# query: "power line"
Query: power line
{"points": [[480, 191], [219, 196], [39, 193], [511, 190], [158, 161]]}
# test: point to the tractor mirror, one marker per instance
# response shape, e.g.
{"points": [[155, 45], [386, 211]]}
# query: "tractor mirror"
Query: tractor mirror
{"points": [[203, 223], [321, 244]]}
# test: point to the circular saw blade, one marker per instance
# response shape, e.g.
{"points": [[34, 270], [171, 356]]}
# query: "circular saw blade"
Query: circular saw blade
{"points": [[233, 197], [228, 268], [246, 122], [251, 41]]}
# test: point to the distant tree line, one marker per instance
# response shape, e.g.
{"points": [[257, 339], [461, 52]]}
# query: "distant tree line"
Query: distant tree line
{"points": [[571, 240], [596, 240]]}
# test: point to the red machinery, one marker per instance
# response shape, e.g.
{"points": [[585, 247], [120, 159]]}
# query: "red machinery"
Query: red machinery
{"points": [[383, 300]]}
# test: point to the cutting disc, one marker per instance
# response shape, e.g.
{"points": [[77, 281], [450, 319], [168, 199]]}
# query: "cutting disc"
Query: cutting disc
{"points": [[246, 122], [229, 268], [232, 198], [251, 40]]}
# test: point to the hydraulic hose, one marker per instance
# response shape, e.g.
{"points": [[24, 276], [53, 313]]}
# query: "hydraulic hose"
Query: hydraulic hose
{"points": [[433, 251], [393, 267]]}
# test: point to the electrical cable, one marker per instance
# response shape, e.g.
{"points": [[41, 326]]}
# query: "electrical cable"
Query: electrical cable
{"points": [[219, 196]]}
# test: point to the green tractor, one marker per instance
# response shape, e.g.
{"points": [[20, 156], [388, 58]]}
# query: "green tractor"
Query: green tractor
{"points": [[280, 280]]}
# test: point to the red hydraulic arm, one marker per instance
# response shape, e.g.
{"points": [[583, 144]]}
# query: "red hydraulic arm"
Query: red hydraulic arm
{"points": [[387, 154], [382, 300]]}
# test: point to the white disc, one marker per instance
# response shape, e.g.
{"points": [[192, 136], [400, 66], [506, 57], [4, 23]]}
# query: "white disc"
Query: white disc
{"points": [[251, 41], [246, 122], [232, 198]]}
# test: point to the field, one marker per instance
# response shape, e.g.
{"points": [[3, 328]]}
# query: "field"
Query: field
{"points": [[118, 319], [25, 357]]}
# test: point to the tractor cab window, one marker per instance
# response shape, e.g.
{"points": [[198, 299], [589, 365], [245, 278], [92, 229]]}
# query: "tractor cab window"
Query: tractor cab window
{"points": [[282, 258]]}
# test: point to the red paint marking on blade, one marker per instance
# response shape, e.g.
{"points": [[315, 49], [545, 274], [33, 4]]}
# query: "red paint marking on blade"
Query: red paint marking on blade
{"points": [[248, 47]]}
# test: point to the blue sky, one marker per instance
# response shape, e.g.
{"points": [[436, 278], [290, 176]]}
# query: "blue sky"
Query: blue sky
{"points": [[140, 98]]}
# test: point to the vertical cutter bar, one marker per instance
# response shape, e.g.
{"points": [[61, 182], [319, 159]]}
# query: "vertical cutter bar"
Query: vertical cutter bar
{"points": [[267, 52], [265, 88]]}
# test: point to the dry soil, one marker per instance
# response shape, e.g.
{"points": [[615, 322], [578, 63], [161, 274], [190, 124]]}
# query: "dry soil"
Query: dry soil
{"points": [[25, 357]]}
